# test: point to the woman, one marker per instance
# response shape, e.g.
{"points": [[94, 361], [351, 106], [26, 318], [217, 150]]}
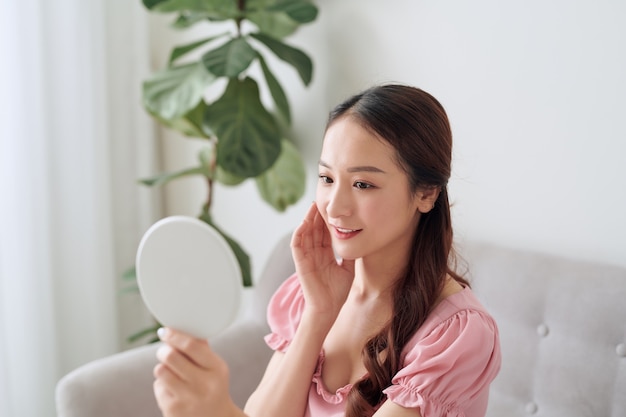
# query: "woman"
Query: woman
{"points": [[389, 329]]}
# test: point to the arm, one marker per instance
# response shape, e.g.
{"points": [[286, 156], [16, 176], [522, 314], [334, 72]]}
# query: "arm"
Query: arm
{"points": [[284, 389], [191, 379], [391, 409]]}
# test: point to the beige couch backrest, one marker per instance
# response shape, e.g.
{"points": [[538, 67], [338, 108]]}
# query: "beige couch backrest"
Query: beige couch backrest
{"points": [[563, 330]]}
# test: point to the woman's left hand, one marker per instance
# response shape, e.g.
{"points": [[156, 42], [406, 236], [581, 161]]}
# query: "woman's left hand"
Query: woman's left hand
{"points": [[325, 282], [191, 379]]}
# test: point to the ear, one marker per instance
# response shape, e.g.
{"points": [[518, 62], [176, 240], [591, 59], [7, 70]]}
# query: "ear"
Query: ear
{"points": [[426, 197]]}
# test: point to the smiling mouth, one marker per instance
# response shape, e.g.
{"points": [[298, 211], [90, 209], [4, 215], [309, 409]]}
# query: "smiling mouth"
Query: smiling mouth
{"points": [[342, 230], [343, 233]]}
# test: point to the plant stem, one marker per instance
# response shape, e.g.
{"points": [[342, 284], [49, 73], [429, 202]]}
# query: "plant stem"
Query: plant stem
{"points": [[241, 5], [213, 167], [209, 200]]}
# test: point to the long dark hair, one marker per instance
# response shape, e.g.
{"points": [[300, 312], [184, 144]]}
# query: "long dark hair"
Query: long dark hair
{"points": [[416, 125]]}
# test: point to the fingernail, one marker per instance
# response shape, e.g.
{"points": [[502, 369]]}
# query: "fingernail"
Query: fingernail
{"points": [[161, 332]]}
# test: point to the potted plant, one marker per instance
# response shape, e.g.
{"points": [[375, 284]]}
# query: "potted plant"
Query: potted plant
{"points": [[245, 138]]}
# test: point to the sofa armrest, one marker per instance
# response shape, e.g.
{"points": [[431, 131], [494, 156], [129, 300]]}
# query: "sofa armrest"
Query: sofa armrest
{"points": [[121, 385]]}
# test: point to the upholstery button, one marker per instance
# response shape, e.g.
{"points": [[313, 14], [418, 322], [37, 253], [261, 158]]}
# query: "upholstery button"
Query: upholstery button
{"points": [[543, 330], [531, 408], [621, 350]]}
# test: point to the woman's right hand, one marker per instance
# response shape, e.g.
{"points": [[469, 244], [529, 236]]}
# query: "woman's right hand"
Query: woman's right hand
{"points": [[191, 380], [325, 282]]}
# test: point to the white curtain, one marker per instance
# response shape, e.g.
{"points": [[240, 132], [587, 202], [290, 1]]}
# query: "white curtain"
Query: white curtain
{"points": [[73, 141]]}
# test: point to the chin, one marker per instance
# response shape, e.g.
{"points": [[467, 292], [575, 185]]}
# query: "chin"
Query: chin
{"points": [[347, 258], [346, 253]]}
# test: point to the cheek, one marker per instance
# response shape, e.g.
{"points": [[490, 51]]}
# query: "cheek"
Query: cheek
{"points": [[388, 212], [377, 213]]}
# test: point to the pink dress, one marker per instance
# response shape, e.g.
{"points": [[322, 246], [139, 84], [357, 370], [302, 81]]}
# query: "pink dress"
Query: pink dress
{"points": [[447, 368]]}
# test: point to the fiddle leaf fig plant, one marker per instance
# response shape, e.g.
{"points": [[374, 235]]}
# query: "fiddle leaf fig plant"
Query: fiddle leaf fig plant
{"points": [[245, 136]]}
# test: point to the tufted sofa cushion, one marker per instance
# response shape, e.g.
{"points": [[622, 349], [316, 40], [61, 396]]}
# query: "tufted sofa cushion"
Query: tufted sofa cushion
{"points": [[563, 330]]}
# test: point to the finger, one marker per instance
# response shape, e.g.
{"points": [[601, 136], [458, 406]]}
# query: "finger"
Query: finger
{"points": [[177, 363], [318, 229], [323, 234], [311, 212], [164, 374], [168, 389], [302, 235], [166, 383], [326, 240], [296, 237], [196, 350], [161, 390], [308, 238], [159, 370]]}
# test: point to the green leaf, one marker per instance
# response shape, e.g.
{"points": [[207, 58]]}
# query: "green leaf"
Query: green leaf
{"points": [[184, 126], [130, 277], [188, 19], [276, 25], [273, 23], [293, 56], [248, 136], [171, 93], [206, 158], [191, 124], [227, 178], [207, 161], [300, 11], [131, 289], [284, 183], [149, 331], [230, 59], [185, 49], [213, 9], [166, 177], [151, 4], [278, 94], [130, 274], [242, 257]]}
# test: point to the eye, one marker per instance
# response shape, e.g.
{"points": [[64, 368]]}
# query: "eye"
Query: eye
{"points": [[362, 185], [325, 179]]}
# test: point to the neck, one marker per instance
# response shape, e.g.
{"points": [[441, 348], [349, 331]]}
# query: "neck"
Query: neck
{"points": [[375, 277]]}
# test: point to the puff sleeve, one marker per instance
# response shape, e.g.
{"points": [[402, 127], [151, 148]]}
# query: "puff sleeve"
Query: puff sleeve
{"points": [[284, 313], [447, 371]]}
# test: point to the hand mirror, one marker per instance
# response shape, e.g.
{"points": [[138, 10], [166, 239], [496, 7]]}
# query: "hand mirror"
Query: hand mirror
{"points": [[188, 276]]}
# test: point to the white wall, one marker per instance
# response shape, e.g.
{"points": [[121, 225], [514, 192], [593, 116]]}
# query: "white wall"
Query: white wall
{"points": [[536, 93]]}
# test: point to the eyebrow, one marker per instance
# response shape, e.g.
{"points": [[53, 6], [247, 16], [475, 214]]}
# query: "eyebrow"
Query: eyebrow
{"points": [[363, 168]]}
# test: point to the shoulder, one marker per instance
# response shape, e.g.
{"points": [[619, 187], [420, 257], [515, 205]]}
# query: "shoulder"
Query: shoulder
{"points": [[452, 358], [459, 325]]}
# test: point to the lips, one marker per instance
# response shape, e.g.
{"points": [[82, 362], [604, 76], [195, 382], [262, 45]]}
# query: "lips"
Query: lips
{"points": [[343, 233]]}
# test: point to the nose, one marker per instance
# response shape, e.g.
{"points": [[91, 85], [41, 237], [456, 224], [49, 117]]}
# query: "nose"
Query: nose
{"points": [[339, 202]]}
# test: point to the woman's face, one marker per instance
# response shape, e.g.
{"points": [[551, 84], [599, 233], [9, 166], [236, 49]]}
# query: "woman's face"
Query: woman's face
{"points": [[363, 195]]}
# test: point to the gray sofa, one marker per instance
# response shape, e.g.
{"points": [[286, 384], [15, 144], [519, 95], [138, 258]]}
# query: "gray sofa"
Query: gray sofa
{"points": [[562, 324]]}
